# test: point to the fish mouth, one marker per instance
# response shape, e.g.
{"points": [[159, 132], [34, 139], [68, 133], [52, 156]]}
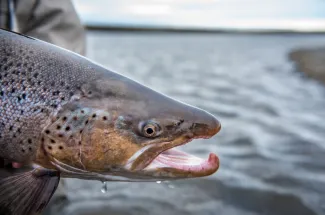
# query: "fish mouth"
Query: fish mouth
{"points": [[165, 160]]}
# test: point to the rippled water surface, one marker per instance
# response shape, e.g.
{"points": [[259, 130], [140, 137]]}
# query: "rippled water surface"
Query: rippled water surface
{"points": [[272, 142]]}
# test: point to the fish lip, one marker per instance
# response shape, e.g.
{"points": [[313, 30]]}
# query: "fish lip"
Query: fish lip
{"points": [[131, 163]]}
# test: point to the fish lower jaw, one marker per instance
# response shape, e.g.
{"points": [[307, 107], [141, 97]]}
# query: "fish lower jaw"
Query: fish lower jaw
{"points": [[177, 163]]}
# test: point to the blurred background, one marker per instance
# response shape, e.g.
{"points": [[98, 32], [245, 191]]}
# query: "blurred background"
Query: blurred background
{"points": [[258, 65]]}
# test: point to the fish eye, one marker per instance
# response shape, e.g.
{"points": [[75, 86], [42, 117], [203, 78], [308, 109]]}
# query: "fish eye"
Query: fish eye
{"points": [[150, 129]]}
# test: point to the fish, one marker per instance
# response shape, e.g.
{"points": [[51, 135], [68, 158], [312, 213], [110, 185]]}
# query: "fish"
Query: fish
{"points": [[73, 118]]}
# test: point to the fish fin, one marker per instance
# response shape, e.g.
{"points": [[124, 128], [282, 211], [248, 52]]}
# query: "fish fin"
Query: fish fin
{"points": [[27, 193]]}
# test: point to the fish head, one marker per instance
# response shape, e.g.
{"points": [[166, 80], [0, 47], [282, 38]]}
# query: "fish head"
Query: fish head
{"points": [[130, 132]]}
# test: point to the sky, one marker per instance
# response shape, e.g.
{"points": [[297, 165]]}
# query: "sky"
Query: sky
{"points": [[301, 15]]}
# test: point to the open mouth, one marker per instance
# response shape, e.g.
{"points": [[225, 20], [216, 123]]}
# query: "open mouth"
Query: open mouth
{"points": [[167, 160], [183, 162]]}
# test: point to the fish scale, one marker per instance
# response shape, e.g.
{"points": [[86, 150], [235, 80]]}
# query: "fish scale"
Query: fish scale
{"points": [[32, 87]]}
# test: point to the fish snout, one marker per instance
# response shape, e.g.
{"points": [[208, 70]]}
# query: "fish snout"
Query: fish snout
{"points": [[205, 124]]}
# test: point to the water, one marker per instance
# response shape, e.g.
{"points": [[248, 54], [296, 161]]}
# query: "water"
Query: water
{"points": [[104, 187], [272, 143]]}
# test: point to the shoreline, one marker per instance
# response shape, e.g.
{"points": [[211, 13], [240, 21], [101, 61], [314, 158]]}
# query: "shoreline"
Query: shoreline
{"points": [[145, 29], [310, 61]]}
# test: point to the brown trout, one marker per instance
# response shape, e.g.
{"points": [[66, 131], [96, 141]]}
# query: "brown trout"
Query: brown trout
{"points": [[73, 118]]}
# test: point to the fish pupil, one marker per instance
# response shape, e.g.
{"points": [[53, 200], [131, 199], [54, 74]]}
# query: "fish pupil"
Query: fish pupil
{"points": [[149, 130]]}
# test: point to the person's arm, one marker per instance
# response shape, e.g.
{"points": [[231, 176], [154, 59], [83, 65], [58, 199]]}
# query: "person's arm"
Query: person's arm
{"points": [[54, 21]]}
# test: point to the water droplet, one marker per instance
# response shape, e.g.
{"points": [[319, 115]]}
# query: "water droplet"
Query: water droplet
{"points": [[104, 187], [158, 182]]}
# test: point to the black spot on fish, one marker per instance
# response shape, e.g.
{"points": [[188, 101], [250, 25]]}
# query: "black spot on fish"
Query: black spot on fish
{"points": [[58, 127], [29, 141], [52, 141], [94, 115], [67, 128], [47, 131], [60, 147], [104, 118]]}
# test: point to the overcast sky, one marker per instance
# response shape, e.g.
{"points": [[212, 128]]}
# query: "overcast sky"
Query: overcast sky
{"points": [[296, 14]]}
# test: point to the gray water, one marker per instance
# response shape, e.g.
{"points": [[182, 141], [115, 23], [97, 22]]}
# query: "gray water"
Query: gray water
{"points": [[272, 143]]}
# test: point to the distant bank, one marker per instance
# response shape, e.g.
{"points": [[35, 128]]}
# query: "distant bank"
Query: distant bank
{"points": [[311, 62], [189, 30]]}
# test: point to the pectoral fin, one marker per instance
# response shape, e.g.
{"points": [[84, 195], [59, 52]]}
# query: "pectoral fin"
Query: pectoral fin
{"points": [[27, 193]]}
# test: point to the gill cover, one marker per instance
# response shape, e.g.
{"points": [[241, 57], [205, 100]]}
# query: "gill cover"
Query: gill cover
{"points": [[86, 138]]}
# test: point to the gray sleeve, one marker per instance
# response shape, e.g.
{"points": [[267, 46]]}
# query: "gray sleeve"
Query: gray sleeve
{"points": [[54, 21], [4, 14]]}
